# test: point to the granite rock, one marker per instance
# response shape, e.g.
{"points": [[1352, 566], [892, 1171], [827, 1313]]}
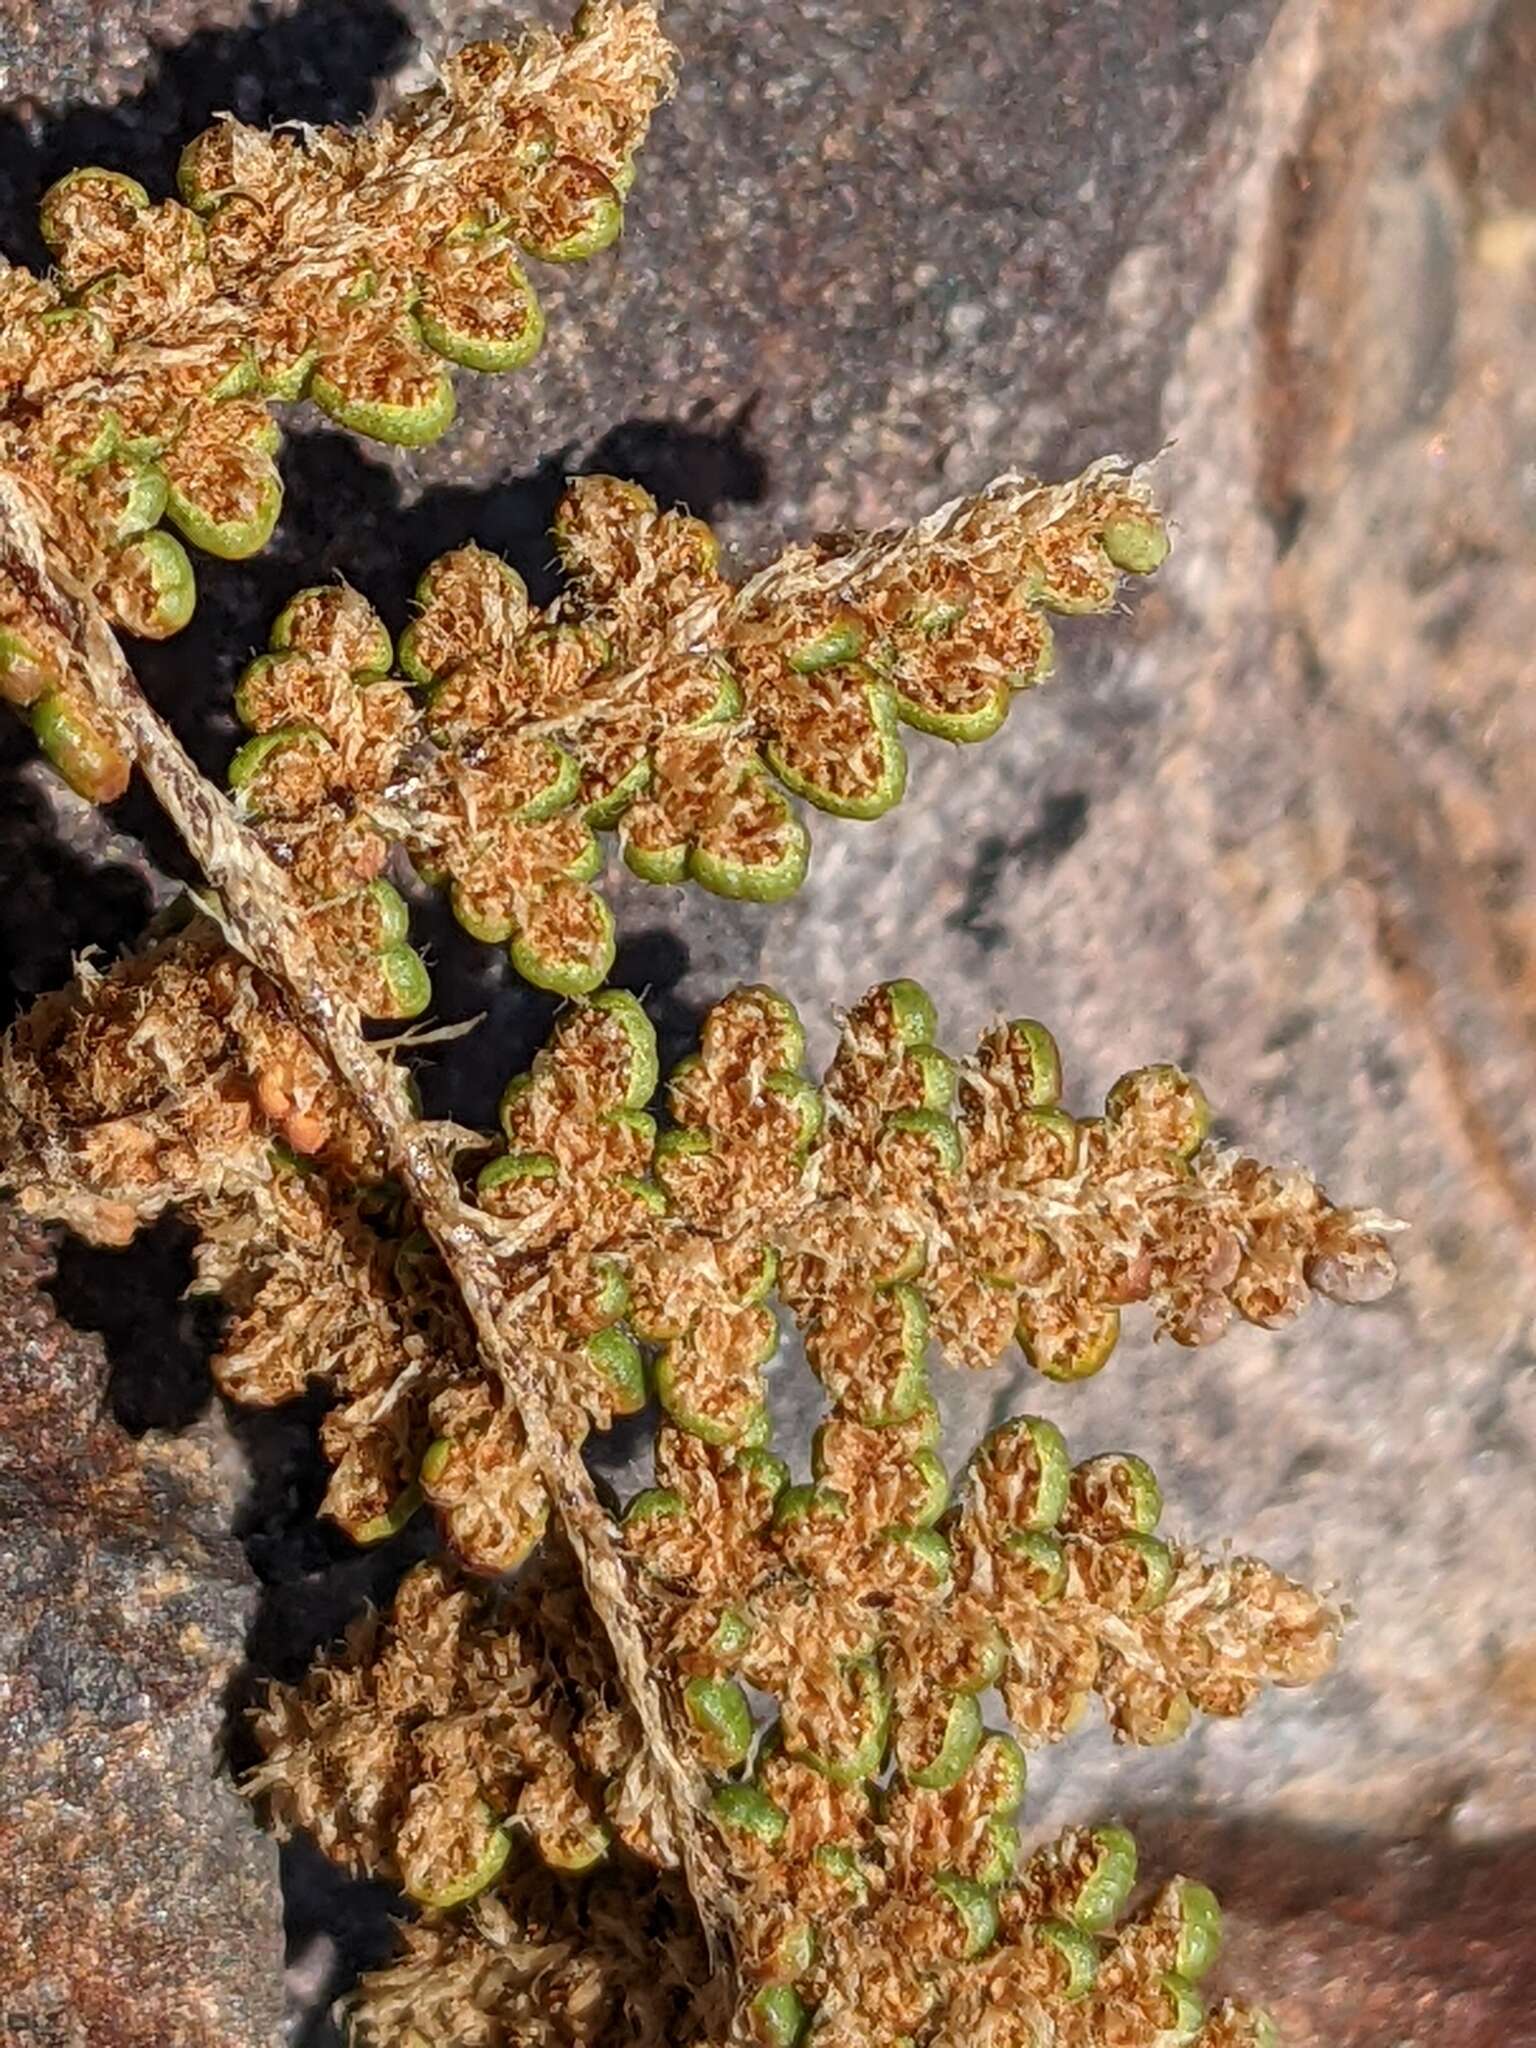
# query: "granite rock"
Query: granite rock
{"points": [[138, 1903]]}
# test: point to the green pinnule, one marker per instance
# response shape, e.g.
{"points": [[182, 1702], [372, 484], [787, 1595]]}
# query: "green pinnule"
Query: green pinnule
{"points": [[654, 700], [910, 1201], [138, 380]]}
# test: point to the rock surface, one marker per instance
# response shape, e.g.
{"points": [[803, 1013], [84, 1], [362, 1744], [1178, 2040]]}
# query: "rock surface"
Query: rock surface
{"points": [[1277, 824], [138, 1905]]}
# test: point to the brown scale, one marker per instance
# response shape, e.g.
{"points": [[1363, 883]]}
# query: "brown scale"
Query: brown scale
{"points": [[311, 1292], [872, 1468], [702, 787], [39, 354], [364, 981], [1074, 574], [799, 1636], [581, 1209], [1006, 2001], [371, 742], [312, 688], [822, 723], [132, 1038], [675, 1272], [294, 1086], [949, 1645], [933, 1653], [635, 568], [97, 229], [898, 1975], [319, 1298], [511, 771], [330, 854], [949, 642], [741, 820], [1229, 1630], [1219, 1636], [611, 753], [209, 1072], [712, 1552], [821, 1706], [725, 1088], [564, 921], [107, 492], [300, 781], [334, 1748], [502, 867], [739, 1188], [719, 1357], [374, 1451], [543, 1964], [1285, 1227], [128, 592], [476, 611], [1128, 2004], [1046, 1883], [953, 675], [490, 1503], [162, 1081], [452, 803], [472, 699], [583, 1073], [553, 1211], [856, 1341], [820, 1813], [353, 925], [231, 158], [434, 1727], [975, 1314], [473, 287]]}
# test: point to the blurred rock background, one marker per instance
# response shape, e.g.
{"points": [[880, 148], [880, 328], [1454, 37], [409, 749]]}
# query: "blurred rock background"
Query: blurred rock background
{"points": [[1278, 824]]}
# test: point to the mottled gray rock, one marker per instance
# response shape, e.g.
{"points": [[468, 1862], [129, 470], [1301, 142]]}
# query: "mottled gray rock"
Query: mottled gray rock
{"points": [[137, 1901]]}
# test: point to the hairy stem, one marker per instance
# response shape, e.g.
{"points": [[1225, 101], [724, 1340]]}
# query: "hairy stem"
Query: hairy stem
{"points": [[258, 913]]}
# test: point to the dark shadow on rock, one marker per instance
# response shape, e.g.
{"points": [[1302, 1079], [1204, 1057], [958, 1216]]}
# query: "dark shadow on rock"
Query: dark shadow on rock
{"points": [[463, 1078], [314, 1580], [1062, 822], [355, 1918], [700, 464], [157, 1341], [473, 984], [55, 901], [314, 1583], [317, 63], [652, 964]]}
